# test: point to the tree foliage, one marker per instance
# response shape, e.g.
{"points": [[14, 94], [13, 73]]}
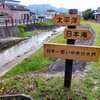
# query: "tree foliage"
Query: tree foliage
{"points": [[88, 14]]}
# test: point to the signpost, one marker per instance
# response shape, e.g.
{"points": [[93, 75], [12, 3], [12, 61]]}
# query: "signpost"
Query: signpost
{"points": [[70, 51], [66, 20], [69, 62], [77, 34], [73, 52]]}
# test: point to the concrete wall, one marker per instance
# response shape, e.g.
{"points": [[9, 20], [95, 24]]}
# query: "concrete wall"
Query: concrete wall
{"points": [[8, 31]]}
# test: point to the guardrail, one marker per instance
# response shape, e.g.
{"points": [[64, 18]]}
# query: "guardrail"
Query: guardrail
{"points": [[20, 21]]}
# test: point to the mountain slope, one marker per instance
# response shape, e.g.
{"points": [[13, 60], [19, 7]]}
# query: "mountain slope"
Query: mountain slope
{"points": [[42, 8]]}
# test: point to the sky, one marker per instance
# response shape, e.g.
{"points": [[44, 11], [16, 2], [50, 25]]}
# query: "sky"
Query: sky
{"points": [[70, 4]]}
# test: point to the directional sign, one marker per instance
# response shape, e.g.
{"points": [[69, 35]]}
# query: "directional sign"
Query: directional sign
{"points": [[75, 52], [77, 34], [66, 20]]}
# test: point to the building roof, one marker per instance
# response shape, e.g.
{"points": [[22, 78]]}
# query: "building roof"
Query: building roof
{"points": [[9, 0], [32, 12], [16, 7]]}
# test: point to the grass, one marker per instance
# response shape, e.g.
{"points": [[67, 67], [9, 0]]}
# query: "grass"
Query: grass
{"points": [[29, 34], [49, 23], [96, 27], [41, 87]]}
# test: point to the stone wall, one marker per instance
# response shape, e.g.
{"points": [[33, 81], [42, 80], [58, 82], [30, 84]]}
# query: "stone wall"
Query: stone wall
{"points": [[43, 27], [9, 31], [31, 27], [8, 43], [7, 36]]}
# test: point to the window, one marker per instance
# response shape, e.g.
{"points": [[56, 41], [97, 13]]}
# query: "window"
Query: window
{"points": [[27, 16]]}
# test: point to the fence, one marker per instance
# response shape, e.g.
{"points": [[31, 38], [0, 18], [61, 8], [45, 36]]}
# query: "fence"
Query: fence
{"points": [[20, 21]]}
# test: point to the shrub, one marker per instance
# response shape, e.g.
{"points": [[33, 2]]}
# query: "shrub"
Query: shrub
{"points": [[88, 14], [22, 28], [42, 17]]}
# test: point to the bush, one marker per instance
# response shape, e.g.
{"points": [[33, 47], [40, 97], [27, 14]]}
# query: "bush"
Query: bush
{"points": [[42, 17], [22, 28], [88, 14]]}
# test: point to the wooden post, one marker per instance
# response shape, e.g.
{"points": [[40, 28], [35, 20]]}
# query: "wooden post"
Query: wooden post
{"points": [[6, 22], [69, 63], [12, 22], [15, 21]]}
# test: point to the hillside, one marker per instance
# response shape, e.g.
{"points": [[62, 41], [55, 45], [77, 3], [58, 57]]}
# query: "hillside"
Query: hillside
{"points": [[42, 8]]}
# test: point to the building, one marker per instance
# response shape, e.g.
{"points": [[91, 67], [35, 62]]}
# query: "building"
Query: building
{"points": [[14, 10], [97, 14], [9, 1], [50, 14]]}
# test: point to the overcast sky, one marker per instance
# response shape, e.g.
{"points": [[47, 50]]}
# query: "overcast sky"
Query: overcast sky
{"points": [[77, 4]]}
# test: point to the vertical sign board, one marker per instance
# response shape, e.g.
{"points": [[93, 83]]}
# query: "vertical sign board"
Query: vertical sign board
{"points": [[74, 52], [72, 20], [68, 62], [80, 34]]}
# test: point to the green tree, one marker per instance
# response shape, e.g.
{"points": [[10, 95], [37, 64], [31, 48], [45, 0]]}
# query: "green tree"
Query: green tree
{"points": [[88, 14]]}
